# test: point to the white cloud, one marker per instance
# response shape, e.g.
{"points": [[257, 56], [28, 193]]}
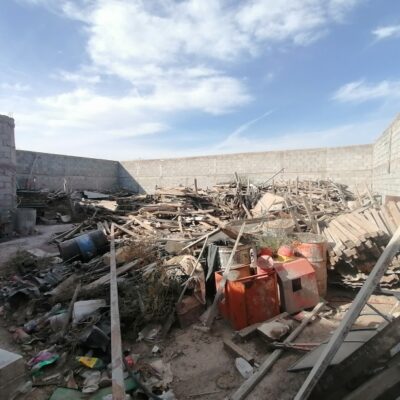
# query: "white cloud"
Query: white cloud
{"points": [[18, 87], [360, 91], [169, 53], [77, 77], [387, 32]]}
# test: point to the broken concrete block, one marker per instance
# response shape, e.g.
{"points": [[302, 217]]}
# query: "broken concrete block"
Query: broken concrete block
{"points": [[12, 373]]}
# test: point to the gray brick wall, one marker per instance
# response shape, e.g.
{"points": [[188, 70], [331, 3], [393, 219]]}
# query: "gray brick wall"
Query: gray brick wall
{"points": [[377, 164], [386, 161], [349, 165], [42, 170], [7, 163]]}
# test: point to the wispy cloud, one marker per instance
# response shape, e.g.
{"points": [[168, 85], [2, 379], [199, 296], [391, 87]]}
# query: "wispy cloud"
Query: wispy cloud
{"points": [[386, 32], [18, 87], [361, 91], [77, 77], [339, 135], [236, 134]]}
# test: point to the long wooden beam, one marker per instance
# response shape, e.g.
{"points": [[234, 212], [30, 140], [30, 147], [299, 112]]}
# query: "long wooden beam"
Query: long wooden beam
{"points": [[250, 383], [118, 387]]}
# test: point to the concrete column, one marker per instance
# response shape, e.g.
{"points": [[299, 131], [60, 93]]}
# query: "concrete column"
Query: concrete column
{"points": [[8, 172]]}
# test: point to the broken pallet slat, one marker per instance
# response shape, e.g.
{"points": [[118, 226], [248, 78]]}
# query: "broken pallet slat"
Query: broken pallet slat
{"points": [[237, 351]]}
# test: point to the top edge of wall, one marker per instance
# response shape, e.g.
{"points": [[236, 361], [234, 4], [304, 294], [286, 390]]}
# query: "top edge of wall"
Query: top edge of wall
{"points": [[64, 155], [364, 145], [393, 125]]}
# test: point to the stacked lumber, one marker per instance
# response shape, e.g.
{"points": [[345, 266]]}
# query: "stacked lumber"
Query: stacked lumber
{"points": [[357, 239]]}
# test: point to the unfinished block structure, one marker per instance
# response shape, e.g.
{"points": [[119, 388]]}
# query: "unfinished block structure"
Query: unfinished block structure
{"points": [[7, 172]]}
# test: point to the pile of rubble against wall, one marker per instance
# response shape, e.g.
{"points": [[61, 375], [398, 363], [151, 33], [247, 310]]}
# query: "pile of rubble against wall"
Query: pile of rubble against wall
{"points": [[356, 226], [58, 308]]}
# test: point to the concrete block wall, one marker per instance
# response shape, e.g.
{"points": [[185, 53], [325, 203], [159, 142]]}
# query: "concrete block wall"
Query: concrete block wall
{"points": [[349, 165], [386, 161], [7, 164], [42, 170]]}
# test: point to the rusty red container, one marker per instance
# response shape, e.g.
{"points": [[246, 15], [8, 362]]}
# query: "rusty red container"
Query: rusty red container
{"points": [[314, 249], [249, 300]]}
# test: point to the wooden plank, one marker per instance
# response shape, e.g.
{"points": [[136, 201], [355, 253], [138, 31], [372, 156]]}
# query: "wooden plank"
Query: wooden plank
{"points": [[249, 330], [128, 231], [314, 223], [292, 212], [394, 212], [70, 310], [347, 238], [388, 220], [350, 317], [379, 220], [339, 246], [199, 240], [348, 232], [367, 214], [237, 351], [347, 222], [251, 382], [106, 278], [370, 227], [117, 365], [142, 224]]}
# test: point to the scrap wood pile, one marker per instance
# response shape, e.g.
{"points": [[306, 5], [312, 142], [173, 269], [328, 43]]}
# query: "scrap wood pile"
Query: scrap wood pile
{"points": [[192, 212], [357, 239], [354, 225]]}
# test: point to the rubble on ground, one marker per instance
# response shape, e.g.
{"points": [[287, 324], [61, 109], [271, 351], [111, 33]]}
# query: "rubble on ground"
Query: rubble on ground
{"points": [[175, 249]]}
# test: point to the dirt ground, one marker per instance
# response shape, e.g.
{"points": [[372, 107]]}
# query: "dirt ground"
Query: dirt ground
{"points": [[38, 240], [201, 367]]}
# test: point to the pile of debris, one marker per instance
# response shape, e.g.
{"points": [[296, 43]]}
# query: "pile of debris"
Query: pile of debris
{"points": [[163, 255], [355, 225], [59, 313]]}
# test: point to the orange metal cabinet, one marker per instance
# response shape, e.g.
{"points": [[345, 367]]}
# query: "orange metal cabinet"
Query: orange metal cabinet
{"points": [[249, 300]]}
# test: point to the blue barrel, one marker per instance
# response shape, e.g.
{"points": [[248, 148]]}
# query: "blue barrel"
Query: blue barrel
{"points": [[84, 247]]}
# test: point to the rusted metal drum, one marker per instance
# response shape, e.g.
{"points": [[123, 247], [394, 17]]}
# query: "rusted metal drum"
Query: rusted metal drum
{"points": [[314, 249]]}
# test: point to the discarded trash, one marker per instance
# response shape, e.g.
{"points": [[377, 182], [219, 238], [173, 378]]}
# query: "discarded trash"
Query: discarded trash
{"points": [[20, 336], [150, 332], [274, 330], [85, 308], [92, 380], [41, 360], [91, 362], [244, 368], [58, 321]]}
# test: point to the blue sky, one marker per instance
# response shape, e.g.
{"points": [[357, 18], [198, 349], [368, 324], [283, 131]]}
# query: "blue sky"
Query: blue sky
{"points": [[128, 79]]}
